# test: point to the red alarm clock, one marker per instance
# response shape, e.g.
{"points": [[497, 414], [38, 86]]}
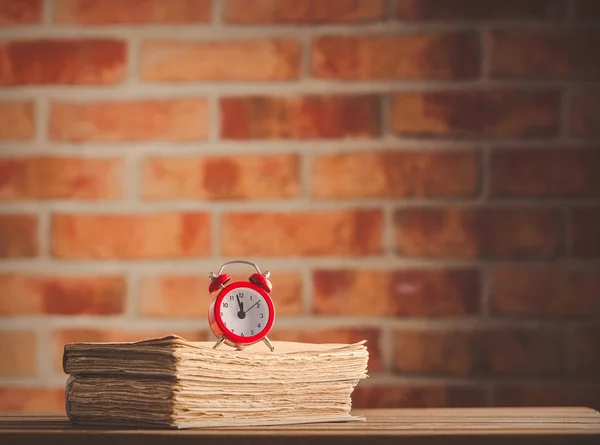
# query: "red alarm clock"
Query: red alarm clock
{"points": [[242, 313]]}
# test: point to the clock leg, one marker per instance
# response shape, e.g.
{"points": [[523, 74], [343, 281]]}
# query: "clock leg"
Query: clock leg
{"points": [[268, 343], [219, 342]]}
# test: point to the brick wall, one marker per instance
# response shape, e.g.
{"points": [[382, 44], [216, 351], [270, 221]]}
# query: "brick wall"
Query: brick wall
{"points": [[423, 174]]}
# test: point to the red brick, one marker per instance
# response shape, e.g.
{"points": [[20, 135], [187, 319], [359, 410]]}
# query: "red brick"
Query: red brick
{"points": [[17, 121], [52, 177], [61, 295], [396, 174], [259, 59], [412, 396], [120, 121], [18, 236], [32, 400], [476, 113], [302, 11], [309, 233], [308, 117], [545, 54], [487, 232], [586, 10], [548, 291], [481, 352], [584, 224], [223, 177], [19, 354], [416, 56], [586, 347], [410, 292], [62, 337], [463, 10], [143, 236], [137, 12], [287, 292], [182, 295], [545, 173], [339, 335], [584, 113], [62, 62], [20, 12], [537, 394]]}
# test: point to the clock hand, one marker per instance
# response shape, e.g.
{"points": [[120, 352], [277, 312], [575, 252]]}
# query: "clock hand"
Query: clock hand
{"points": [[252, 306], [241, 314]]}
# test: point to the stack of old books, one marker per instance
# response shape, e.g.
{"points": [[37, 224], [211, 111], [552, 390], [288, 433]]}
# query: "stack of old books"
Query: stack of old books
{"points": [[174, 383]]}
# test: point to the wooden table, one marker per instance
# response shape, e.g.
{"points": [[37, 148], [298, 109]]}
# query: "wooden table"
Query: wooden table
{"points": [[447, 426]]}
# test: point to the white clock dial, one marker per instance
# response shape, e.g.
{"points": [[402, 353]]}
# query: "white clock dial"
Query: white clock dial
{"points": [[244, 312]]}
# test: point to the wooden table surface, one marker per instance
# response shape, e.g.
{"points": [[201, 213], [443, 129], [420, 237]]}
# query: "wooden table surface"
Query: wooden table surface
{"points": [[448, 426]]}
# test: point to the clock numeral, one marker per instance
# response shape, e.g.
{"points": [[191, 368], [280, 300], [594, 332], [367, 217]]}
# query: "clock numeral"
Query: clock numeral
{"points": [[233, 330], [224, 324], [258, 325], [231, 297], [252, 331], [262, 315], [240, 295], [250, 297], [257, 305], [221, 313], [225, 304], [242, 334]]}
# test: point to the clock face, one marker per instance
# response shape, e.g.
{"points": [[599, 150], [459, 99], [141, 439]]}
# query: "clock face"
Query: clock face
{"points": [[244, 312]]}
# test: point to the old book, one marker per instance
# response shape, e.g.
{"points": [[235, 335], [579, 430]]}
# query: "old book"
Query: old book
{"points": [[174, 383]]}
